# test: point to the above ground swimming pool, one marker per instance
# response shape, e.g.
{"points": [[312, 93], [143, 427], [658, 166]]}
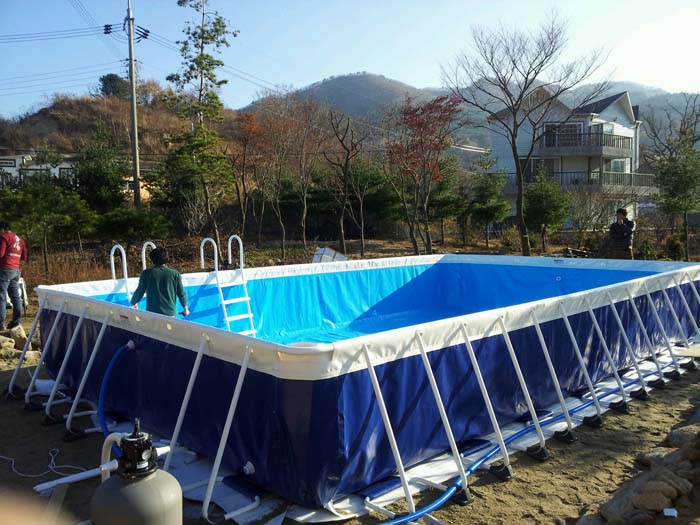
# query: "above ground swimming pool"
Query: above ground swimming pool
{"points": [[307, 424]]}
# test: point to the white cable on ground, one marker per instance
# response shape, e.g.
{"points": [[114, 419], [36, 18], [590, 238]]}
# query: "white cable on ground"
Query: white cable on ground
{"points": [[52, 467]]}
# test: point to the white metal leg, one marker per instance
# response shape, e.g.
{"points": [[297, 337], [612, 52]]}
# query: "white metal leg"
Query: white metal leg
{"points": [[185, 402], [645, 334], [47, 346], [64, 364], [655, 312], [552, 372], [692, 286], [225, 432], [688, 311], [388, 428], [628, 345], [521, 380], [582, 363], [27, 344], [676, 319], [485, 396], [443, 413], [86, 373], [606, 350]]}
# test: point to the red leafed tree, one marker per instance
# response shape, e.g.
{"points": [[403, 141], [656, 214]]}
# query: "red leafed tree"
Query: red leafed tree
{"points": [[247, 132], [420, 136]]}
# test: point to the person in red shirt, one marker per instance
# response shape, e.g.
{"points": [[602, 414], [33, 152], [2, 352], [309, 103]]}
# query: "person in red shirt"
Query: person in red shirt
{"points": [[13, 251]]}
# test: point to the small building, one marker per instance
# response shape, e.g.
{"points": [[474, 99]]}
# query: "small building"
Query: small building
{"points": [[593, 148]]}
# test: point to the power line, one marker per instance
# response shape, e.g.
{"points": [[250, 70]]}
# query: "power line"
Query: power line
{"points": [[47, 82], [89, 20], [52, 35], [59, 71], [71, 76], [82, 84]]}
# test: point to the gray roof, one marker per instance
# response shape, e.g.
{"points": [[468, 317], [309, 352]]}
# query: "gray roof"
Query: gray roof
{"points": [[600, 105]]}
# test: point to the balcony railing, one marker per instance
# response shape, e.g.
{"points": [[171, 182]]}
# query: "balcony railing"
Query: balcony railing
{"points": [[570, 179], [581, 140]]}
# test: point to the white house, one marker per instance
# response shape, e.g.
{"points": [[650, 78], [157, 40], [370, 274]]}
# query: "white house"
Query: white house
{"points": [[593, 148], [14, 168]]}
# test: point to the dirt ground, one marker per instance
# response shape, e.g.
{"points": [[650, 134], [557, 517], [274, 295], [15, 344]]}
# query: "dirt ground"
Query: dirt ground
{"points": [[557, 491]]}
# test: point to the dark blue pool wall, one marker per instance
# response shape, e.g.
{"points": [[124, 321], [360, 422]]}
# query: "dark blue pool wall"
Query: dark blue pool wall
{"points": [[312, 441]]}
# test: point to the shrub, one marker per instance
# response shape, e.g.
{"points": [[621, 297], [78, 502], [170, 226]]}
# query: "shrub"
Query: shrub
{"points": [[510, 240], [673, 247]]}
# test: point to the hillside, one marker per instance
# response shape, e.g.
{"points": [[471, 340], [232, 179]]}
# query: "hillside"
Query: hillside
{"points": [[66, 121]]}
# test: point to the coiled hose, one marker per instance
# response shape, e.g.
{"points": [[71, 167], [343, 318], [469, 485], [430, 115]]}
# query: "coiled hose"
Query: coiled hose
{"points": [[103, 393], [445, 496]]}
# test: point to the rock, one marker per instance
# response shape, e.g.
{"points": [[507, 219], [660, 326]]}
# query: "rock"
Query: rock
{"points": [[593, 519], [679, 437], [641, 518], [650, 500], [6, 353], [616, 509], [683, 486], [660, 456], [6, 343], [693, 476], [691, 452], [19, 335], [662, 487], [32, 358]]}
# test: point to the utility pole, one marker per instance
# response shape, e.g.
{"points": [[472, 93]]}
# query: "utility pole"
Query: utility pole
{"points": [[134, 118]]}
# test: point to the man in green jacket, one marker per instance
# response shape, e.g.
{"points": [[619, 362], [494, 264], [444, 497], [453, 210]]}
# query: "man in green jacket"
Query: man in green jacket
{"points": [[162, 286]]}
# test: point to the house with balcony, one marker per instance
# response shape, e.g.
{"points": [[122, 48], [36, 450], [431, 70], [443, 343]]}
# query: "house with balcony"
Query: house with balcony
{"points": [[592, 148]]}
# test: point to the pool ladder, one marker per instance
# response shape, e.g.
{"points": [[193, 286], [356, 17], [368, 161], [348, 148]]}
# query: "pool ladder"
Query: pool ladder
{"points": [[241, 281]]}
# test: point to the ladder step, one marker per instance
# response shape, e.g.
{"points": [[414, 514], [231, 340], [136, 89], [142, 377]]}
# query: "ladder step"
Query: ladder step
{"points": [[234, 283], [236, 300], [239, 317], [247, 332]]}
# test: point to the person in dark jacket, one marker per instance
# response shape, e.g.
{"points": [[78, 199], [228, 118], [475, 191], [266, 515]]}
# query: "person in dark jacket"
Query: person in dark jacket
{"points": [[13, 251], [162, 286], [622, 236]]}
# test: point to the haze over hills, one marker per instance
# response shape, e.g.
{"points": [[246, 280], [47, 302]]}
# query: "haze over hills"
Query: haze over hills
{"points": [[64, 122]]}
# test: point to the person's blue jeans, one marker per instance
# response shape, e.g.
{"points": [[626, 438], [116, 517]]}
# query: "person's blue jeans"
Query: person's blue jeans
{"points": [[9, 284]]}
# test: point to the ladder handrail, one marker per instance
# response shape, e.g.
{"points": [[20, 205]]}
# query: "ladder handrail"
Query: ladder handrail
{"points": [[146, 244], [216, 253], [240, 251], [122, 253]]}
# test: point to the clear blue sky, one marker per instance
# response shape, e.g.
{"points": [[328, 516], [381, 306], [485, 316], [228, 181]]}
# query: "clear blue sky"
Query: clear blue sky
{"points": [[297, 43]]}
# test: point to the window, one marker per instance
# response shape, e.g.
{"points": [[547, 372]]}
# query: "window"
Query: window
{"points": [[618, 165], [563, 134]]}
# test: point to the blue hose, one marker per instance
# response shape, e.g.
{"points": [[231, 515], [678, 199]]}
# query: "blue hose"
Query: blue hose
{"points": [[445, 496], [103, 391]]}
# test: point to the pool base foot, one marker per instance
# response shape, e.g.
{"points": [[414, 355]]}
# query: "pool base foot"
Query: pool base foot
{"points": [[15, 395], [537, 452], [620, 406], [73, 435], [689, 365], [658, 383], [565, 436], [501, 471], [50, 420], [462, 497], [32, 407], [672, 374], [593, 421], [640, 394]]}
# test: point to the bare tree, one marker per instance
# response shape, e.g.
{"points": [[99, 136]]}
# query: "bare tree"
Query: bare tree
{"points": [[348, 145], [518, 79], [666, 126]]}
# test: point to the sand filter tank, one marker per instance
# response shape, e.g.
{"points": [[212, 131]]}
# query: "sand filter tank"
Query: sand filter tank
{"points": [[139, 493]]}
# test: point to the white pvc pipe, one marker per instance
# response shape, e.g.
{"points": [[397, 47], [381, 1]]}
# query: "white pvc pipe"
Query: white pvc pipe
{"points": [[27, 344], [692, 286], [216, 253], [45, 350], [388, 429], [246, 508], [122, 253], [521, 380], [647, 340], [185, 402], [676, 319], [146, 245], [606, 350], [240, 251], [441, 409], [74, 478], [628, 344], [88, 367], [581, 362], [225, 432], [114, 438], [485, 396], [654, 311], [686, 306], [552, 372], [64, 363]]}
